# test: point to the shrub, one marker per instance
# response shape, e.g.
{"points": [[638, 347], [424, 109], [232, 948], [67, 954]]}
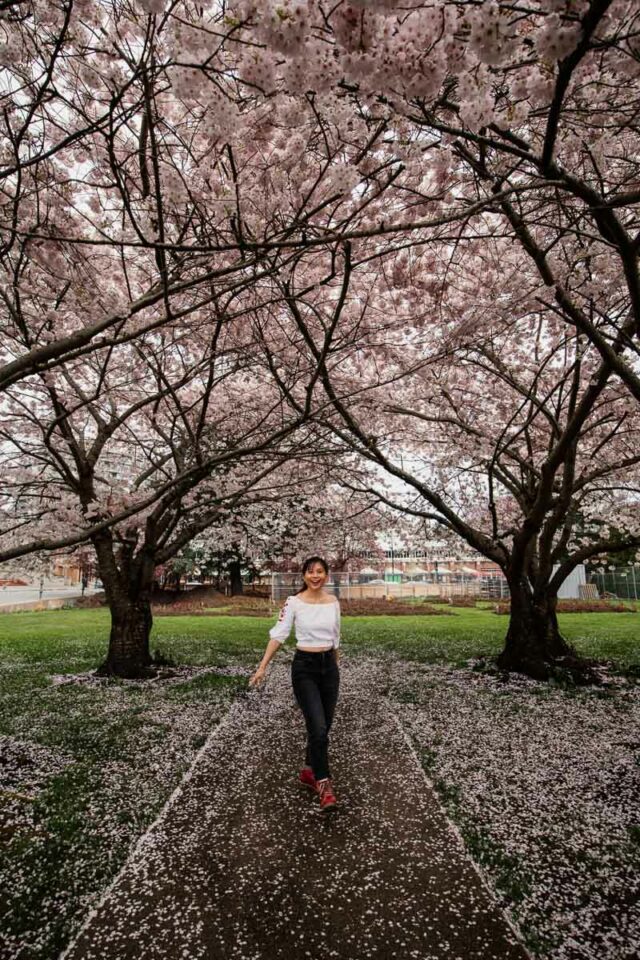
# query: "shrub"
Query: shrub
{"points": [[575, 606], [373, 606]]}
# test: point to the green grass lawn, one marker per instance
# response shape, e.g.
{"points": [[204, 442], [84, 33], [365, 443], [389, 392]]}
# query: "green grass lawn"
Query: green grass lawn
{"points": [[76, 639], [116, 751]]}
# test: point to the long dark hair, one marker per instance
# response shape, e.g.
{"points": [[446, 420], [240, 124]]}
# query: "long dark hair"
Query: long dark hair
{"points": [[306, 566]]}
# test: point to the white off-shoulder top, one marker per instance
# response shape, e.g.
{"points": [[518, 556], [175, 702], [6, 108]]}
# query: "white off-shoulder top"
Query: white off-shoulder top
{"points": [[316, 624]]}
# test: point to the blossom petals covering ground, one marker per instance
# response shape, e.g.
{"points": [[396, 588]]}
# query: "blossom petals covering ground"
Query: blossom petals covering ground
{"points": [[244, 865], [543, 783], [85, 765], [545, 786]]}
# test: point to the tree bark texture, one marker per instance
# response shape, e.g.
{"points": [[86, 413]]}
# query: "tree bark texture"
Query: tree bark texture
{"points": [[534, 645], [127, 584], [129, 654]]}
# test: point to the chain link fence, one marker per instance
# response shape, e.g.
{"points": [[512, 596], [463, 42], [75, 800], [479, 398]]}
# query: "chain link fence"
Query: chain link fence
{"points": [[621, 583], [349, 587]]}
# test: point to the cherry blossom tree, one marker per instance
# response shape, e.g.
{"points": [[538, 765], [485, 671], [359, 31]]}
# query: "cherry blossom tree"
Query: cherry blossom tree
{"points": [[143, 185], [505, 427], [526, 111], [141, 177], [322, 511], [525, 118], [172, 431]]}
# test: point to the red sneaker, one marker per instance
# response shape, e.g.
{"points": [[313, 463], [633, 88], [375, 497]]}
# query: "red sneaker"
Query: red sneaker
{"points": [[327, 796], [307, 779]]}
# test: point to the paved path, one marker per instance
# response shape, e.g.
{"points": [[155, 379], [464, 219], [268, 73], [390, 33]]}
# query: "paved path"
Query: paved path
{"points": [[16, 598], [243, 866]]}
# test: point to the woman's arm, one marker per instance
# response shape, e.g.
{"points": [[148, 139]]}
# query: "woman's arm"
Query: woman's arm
{"points": [[259, 675], [278, 635]]}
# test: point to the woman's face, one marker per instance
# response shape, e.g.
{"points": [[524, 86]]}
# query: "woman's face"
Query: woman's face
{"points": [[315, 577]]}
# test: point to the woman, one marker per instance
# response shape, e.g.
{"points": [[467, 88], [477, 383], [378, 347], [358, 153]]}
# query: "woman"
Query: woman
{"points": [[314, 670]]}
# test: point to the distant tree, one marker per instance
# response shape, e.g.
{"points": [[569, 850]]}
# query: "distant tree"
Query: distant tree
{"points": [[339, 522]]}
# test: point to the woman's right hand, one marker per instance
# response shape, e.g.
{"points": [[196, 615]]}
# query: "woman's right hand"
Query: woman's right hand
{"points": [[257, 677]]}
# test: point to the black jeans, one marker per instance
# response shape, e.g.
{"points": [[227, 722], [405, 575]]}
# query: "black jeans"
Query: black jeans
{"points": [[316, 681]]}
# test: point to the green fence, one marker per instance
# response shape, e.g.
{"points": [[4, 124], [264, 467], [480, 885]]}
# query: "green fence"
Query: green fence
{"points": [[620, 582]]}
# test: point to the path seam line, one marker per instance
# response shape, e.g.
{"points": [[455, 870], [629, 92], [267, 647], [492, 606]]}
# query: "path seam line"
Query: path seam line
{"points": [[139, 843]]}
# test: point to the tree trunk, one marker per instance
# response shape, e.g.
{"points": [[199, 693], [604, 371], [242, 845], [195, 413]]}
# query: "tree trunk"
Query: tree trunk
{"points": [[129, 655], [127, 587], [534, 645], [235, 579]]}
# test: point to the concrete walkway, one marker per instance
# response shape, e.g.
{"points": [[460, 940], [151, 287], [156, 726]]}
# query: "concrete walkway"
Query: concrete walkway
{"points": [[54, 596], [242, 864]]}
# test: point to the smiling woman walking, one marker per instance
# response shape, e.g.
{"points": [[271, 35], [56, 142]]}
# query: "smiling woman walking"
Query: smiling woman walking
{"points": [[315, 614]]}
